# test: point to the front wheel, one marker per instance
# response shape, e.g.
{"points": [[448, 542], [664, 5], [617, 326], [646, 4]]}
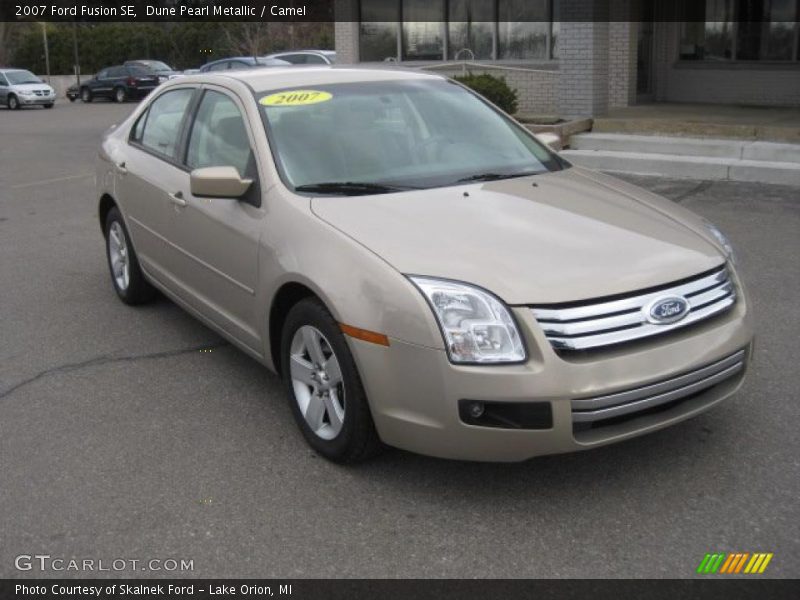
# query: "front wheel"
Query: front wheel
{"points": [[48, 106], [325, 391], [126, 275], [13, 102], [86, 95]]}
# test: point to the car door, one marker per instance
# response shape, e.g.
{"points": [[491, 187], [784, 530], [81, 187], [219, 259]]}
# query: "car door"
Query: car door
{"points": [[218, 238], [3, 89], [147, 173], [101, 85]]}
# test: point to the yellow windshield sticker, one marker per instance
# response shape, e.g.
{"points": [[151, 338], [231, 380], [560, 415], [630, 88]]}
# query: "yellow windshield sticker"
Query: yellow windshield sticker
{"points": [[296, 98]]}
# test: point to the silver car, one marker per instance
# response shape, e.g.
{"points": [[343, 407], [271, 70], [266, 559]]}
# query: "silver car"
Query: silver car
{"points": [[419, 269], [19, 88], [306, 57]]}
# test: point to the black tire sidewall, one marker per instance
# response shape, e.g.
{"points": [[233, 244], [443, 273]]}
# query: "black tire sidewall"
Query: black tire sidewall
{"points": [[120, 95], [86, 95], [139, 289], [345, 446]]}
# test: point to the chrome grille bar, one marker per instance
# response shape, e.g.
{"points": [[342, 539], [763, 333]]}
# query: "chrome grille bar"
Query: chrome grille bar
{"points": [[599, 324], [587, 410]]}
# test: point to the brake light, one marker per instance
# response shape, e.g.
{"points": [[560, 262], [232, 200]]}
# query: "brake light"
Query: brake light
{"points": [[132, 81]]}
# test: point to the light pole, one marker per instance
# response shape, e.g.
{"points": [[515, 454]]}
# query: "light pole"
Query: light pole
{"points": [[46, 51], [75, 52]]}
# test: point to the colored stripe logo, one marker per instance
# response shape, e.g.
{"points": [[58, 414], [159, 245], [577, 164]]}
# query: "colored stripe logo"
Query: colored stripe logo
{"points": [[732, 563]]}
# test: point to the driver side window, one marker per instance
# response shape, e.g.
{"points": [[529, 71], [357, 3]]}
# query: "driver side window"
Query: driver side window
{"points": [[219, 136], [3, 81]]}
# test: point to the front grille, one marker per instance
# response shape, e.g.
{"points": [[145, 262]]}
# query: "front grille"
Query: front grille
{"points": [[600, 323], [631, 403]]}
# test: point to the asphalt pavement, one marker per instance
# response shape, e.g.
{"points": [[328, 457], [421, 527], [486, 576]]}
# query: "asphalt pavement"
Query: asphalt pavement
{"points": [[138, 434]]}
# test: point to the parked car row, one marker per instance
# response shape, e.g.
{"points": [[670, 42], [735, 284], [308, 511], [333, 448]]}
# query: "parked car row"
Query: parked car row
{"points": [[135, 79]]}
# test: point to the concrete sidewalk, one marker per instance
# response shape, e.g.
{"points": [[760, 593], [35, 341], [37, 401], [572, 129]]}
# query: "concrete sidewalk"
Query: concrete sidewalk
{"points": [[704, 120]]}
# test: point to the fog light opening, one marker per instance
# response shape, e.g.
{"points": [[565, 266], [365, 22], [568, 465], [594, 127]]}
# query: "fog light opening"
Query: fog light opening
{"points": [[476, 410]]}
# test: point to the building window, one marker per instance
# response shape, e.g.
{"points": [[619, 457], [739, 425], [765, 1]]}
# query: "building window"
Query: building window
{"points": [[523, 29], [470, 26], [732, 30], [417, 30], [378, 30], [423, 29]]}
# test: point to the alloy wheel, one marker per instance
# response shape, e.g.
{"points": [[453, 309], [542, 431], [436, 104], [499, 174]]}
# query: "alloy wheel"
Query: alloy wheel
{"points": [[118, 254], [317, 382]]}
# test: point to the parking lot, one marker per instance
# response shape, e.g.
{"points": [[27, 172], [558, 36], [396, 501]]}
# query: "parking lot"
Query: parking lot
{"points": [[137, 433]]}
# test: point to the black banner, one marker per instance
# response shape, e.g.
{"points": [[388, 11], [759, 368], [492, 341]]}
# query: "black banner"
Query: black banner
{"points": [[296, 11], [735, 588]]}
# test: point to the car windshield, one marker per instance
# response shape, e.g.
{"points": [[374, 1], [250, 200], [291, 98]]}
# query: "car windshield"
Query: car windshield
{"points": [[19, 77], [382, 137]]}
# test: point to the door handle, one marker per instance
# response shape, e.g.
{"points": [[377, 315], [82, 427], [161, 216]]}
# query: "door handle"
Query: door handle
{"points": [[177, 199], [120, 167]]}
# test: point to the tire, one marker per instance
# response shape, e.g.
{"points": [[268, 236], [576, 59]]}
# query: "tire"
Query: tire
{"points": [[344, 438], [126, 275], [13, 102], [71, 99], [86, 95], [48, 106], [120, 95]]}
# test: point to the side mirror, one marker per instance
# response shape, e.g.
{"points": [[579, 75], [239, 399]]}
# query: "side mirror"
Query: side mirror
{"points": [[551, 140], [218, 182]]}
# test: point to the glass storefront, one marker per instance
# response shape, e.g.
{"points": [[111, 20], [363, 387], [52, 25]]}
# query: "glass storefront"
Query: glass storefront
{"points": [[429, 30]]}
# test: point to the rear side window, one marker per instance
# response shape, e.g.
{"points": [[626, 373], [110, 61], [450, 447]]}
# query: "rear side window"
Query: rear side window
{"points": [[219, 66], [219, 137], [117, 72], [295, 59], [314, 59], [163, 123]]}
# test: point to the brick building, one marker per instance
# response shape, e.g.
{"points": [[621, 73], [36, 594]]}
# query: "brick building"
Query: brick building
{"points": [[583, 57]]}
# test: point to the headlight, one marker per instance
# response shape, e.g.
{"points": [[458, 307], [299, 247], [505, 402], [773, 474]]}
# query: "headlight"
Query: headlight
{"points": [[26, 92], [723, 241], [476, 326]]}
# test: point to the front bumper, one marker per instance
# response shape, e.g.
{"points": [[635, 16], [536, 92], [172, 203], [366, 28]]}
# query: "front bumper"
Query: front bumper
{"points": [[414, 391], [36, 100]]}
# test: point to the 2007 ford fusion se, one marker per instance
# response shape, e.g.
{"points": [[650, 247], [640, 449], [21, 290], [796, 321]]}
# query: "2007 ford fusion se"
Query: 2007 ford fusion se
{"points": [[420, 270]]}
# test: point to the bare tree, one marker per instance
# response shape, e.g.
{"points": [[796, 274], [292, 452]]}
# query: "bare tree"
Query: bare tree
{"points": [[248, 38]]}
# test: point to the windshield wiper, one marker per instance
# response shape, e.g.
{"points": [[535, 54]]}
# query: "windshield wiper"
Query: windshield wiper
{"points": [[352, 188], [496, 176]]}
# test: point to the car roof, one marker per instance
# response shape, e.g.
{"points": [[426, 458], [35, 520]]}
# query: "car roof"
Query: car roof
{"points": [[12, 69], [323, 52], [268, 79]]}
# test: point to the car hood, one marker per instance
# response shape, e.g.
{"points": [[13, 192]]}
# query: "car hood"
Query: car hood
{"points": [[551, 238], [32, 87]]}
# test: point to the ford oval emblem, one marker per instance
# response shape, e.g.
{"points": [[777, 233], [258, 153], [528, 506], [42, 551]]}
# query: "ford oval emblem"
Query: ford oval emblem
{"points": [[668, 309]]}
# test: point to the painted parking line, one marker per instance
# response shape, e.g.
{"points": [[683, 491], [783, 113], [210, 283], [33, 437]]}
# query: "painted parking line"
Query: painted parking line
{"points": [[49, 181]]}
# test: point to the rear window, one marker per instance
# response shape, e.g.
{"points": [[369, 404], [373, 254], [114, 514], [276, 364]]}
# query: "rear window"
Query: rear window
{"points": [[140, 71]]}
